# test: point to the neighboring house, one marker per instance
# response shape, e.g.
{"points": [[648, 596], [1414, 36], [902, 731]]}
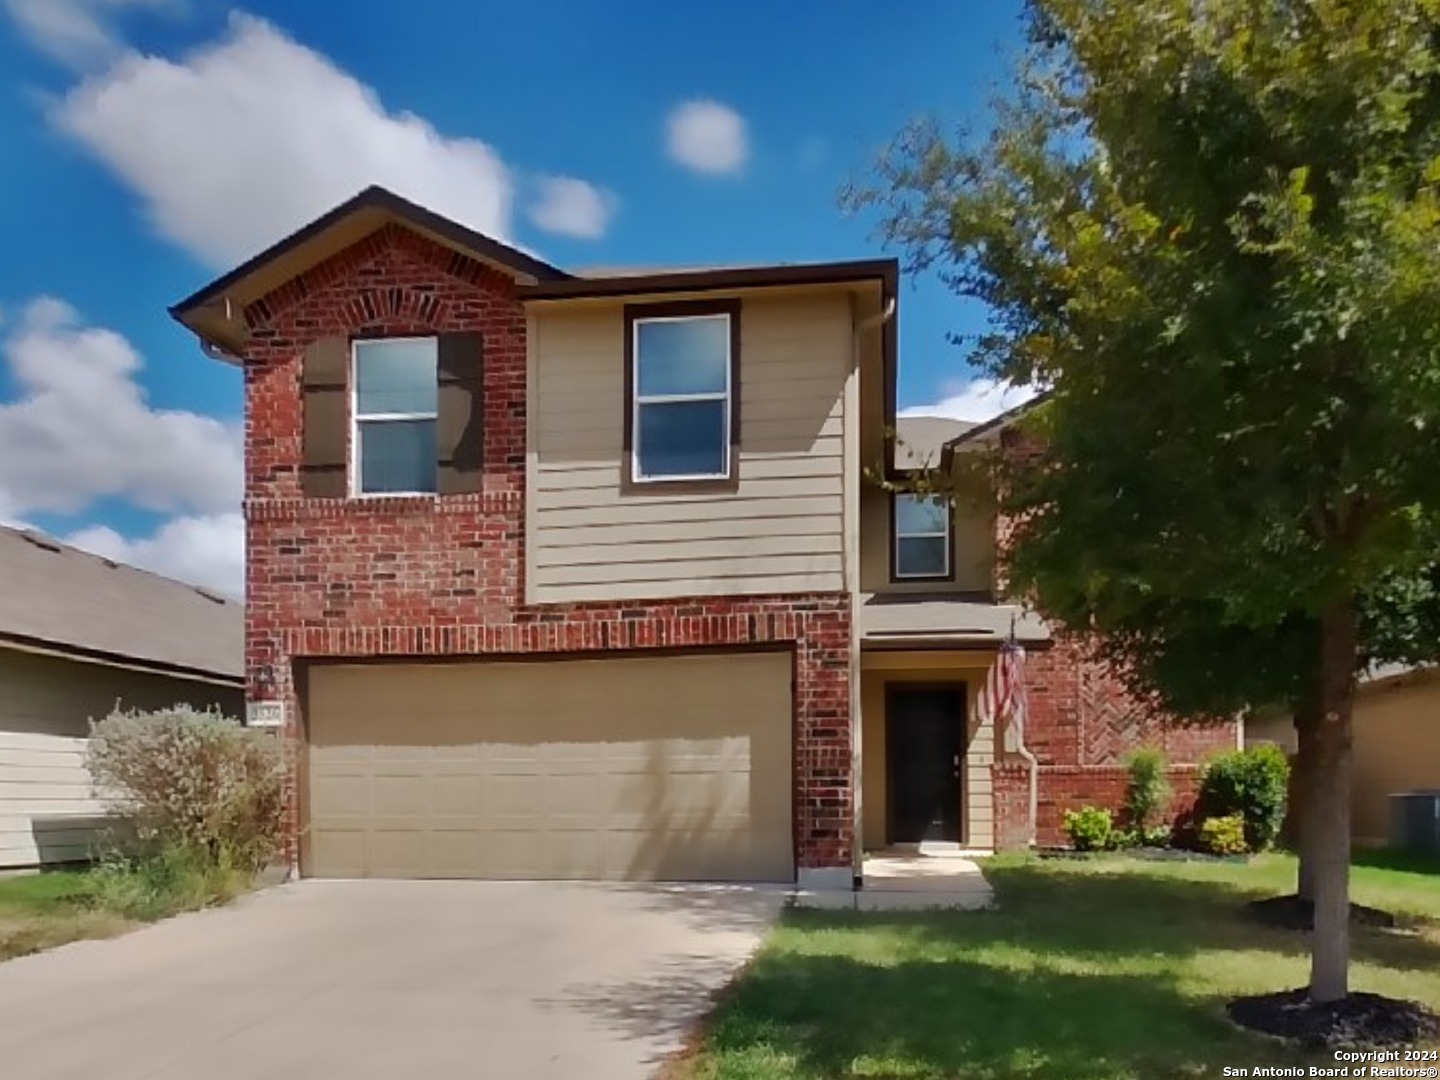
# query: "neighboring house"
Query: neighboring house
{"points": [[78, 634], [1396, 745], [581, 576]]}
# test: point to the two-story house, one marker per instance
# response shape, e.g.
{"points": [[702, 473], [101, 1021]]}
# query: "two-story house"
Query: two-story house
{"points": [[565, 575]]}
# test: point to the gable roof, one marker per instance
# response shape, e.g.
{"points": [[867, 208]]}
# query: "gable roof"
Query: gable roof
{"points": [[921, 440], [210, 311], [980, 433], [58, 598], [215, 312]]}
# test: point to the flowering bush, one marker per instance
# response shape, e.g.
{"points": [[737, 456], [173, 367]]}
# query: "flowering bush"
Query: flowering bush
{"points": [[193, 781]]}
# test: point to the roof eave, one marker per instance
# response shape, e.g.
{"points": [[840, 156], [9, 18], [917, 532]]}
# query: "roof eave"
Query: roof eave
{"points": [[885, 271], [994, 425], [85, 654]]}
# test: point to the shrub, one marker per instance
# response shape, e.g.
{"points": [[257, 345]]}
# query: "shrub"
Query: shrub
{"points": [[1147, 792], [1251, 783], [195, 785], [1223, 835], [1090, 828], [162, 883]]}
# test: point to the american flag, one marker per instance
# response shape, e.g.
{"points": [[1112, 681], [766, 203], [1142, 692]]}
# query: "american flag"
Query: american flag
{"points": [[1002, 698]]}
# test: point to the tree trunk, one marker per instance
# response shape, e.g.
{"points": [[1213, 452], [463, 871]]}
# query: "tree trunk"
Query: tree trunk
{"points": [[1308, 715], [1326, 820]]}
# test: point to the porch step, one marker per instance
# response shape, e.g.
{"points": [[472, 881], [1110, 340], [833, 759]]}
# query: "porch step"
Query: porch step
{"points": [[909, 882]]}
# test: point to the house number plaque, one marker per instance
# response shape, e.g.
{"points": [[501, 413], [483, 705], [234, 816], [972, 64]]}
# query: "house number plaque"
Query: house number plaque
{"points": [[266, 714]]}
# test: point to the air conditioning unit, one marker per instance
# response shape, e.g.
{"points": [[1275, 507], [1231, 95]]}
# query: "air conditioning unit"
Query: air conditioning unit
{"points": [[1415, 821]]}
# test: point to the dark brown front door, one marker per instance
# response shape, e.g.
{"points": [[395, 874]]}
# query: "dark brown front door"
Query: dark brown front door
{"points": [[924, 748]]}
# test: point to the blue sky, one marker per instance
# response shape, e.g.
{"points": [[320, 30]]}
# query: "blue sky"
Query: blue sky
{"points": [[151, 144]]}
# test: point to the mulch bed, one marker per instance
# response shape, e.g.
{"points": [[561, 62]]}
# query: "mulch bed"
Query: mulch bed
{"points": [[1292, 913], [1147, 854], [1360, 1021]]}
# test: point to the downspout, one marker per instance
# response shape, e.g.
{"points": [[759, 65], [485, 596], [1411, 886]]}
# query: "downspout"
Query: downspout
{"points": [[1030, 760], [1020, 748], [854, 469]]}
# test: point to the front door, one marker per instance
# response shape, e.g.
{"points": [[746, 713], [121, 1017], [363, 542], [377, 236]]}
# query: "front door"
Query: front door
{"points": [[924, 749]]}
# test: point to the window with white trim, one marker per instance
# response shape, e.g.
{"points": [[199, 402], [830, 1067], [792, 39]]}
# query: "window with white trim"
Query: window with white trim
{"points": [[922, 536], [682, 397], [395, 407]]}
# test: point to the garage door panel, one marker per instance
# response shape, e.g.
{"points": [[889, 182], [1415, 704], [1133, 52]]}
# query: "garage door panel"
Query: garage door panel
{"points": [[457, 795], [635, 768]]}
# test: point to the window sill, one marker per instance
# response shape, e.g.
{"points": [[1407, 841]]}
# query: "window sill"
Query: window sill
{"points": [[680, 485]]}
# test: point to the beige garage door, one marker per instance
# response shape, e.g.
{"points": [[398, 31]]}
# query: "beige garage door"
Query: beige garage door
{"points": [[670, 769]]}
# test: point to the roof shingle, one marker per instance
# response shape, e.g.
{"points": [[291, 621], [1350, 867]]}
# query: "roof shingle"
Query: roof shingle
{"points": [[68, 599]]}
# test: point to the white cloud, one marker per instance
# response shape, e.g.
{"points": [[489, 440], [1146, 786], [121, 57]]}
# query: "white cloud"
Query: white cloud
{"points": [[80, 33], [252, 136], [573, 207], [977, 401], [81, 430], [204, 550], [707, 136]]}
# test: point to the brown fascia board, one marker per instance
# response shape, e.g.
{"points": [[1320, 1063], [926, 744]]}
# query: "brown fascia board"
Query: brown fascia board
{"points": [[378, 198], [885, 271]]}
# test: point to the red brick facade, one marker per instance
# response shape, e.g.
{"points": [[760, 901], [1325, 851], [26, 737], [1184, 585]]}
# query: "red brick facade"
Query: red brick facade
{"points": [[443, 576]]}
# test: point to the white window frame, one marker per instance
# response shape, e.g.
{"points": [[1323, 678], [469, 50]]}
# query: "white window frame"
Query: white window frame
{"points": [[357, 418], [897, 536], [725, 396]]}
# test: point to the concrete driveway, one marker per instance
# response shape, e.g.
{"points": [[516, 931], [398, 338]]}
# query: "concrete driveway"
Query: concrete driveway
{"points": [[421, 980]]}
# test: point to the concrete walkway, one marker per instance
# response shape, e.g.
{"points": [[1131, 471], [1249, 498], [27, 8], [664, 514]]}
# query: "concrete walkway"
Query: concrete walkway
{"points": [[910, 881], [352, 980]]}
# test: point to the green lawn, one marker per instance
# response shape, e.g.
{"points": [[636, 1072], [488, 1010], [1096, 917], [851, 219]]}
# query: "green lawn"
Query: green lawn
{"points": [[40, 911], [1089, 970]]}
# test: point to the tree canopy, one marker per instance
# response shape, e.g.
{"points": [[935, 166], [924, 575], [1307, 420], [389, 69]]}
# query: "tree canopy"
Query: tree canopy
{"points": [[1212, 227]]}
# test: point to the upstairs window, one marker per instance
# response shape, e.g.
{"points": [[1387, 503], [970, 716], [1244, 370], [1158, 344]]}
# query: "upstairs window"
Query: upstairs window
{"points": [[922, 537], [682, 375], [395, 412]]}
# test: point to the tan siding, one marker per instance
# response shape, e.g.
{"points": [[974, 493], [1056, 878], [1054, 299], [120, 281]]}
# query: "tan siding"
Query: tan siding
{"points": [[1397, 748], [782, 526], [972, 553], [977, 815], [47, 811]]}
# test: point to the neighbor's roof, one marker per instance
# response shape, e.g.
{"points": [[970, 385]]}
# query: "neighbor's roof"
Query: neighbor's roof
{"points": [[53, 596], [921, 440], [992, 427]]}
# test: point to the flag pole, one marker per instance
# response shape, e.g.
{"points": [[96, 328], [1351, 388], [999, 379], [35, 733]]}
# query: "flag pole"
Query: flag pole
{"points": [[1022, 715]]}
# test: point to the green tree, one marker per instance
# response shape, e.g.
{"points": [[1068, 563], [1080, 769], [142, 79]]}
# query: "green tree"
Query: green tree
{"points": [[1187, 660], [1213, 227]]}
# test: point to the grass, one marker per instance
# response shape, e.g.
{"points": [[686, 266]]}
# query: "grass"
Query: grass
{"points": [[1107, 969], [41, 911]]}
